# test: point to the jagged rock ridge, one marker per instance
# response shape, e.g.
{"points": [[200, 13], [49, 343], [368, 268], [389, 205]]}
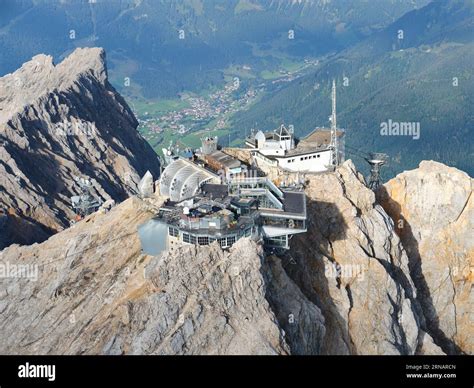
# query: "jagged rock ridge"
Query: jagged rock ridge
{"points": [[351, 265], [58, 122], [97, 293]]}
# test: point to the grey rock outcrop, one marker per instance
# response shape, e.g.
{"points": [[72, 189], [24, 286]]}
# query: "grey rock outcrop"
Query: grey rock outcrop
{"points": [[352, 266], [301, 319], [146, 186], [97, 294], [345, 287], [58, 122]]}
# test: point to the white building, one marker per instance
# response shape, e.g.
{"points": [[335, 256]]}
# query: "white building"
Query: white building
{"points": [[321, 150], [281, 149], [272, 143]]}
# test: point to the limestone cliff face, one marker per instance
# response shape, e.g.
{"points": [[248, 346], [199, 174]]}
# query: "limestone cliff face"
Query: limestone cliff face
{"points": [[433, 211], [352, 266], [58, 122], [346, 287], [97, 294]]}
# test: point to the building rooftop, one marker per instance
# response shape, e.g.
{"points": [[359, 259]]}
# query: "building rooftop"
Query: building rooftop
{"points": [[215, 190], [226, 160], [318, 140], [182, 178], [320, 136], [294, 202], [210, 212]]}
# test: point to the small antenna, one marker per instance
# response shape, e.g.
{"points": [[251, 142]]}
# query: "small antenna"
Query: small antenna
{"points": [[85, 203]]}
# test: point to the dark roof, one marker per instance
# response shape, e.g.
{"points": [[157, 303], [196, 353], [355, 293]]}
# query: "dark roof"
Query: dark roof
{"points": [[243, 202], [215, 190], [226, 160], [319, 136], [294, 202]]}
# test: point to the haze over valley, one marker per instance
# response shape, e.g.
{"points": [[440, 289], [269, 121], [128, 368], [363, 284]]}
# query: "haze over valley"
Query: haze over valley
{"points": [[225, 68]]}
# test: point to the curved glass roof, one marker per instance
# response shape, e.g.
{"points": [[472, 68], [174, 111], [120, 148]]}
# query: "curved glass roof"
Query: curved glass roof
{"points": [[181, 179]]}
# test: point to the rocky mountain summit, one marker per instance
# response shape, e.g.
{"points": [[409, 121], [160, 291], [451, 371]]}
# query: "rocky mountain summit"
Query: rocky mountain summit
{"points": [[347, 286], [97, 293], [352, 266], [433, 211], [58, 122]]}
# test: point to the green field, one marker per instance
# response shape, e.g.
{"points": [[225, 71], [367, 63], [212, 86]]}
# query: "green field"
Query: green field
{"points": [[145, 108], [238, 71], [292, 66]]}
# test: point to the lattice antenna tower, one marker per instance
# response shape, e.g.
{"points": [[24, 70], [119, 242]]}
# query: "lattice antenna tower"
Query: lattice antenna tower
{"points": [[334, 148], [85, 203]]}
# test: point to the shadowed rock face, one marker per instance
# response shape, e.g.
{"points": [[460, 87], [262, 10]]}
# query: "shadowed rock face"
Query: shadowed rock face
{"points": [[433, 211], [58, 122]]}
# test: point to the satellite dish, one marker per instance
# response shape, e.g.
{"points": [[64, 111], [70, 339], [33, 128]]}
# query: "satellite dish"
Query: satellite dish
{"points": [[186, 210]]}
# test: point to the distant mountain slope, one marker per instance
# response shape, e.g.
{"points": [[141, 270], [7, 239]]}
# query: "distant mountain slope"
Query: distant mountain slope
{"points": [[425, 78], [142, 38], [56, 123]]}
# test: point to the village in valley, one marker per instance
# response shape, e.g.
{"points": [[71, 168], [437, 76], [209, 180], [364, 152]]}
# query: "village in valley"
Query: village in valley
{"points": [[194, 113], [186, 119]]}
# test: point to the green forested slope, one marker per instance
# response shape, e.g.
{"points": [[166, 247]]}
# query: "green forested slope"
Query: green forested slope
{"points": [[426, 77]]}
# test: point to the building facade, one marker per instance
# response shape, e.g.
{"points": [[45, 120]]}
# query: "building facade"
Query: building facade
{"points": [[281, 149], [224, 213]]}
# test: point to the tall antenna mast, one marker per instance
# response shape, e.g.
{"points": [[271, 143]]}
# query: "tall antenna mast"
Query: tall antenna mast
{"points": [[334, 149]]}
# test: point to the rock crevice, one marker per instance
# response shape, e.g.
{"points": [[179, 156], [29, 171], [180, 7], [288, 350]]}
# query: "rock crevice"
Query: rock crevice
{"points": [[433, 213]]}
